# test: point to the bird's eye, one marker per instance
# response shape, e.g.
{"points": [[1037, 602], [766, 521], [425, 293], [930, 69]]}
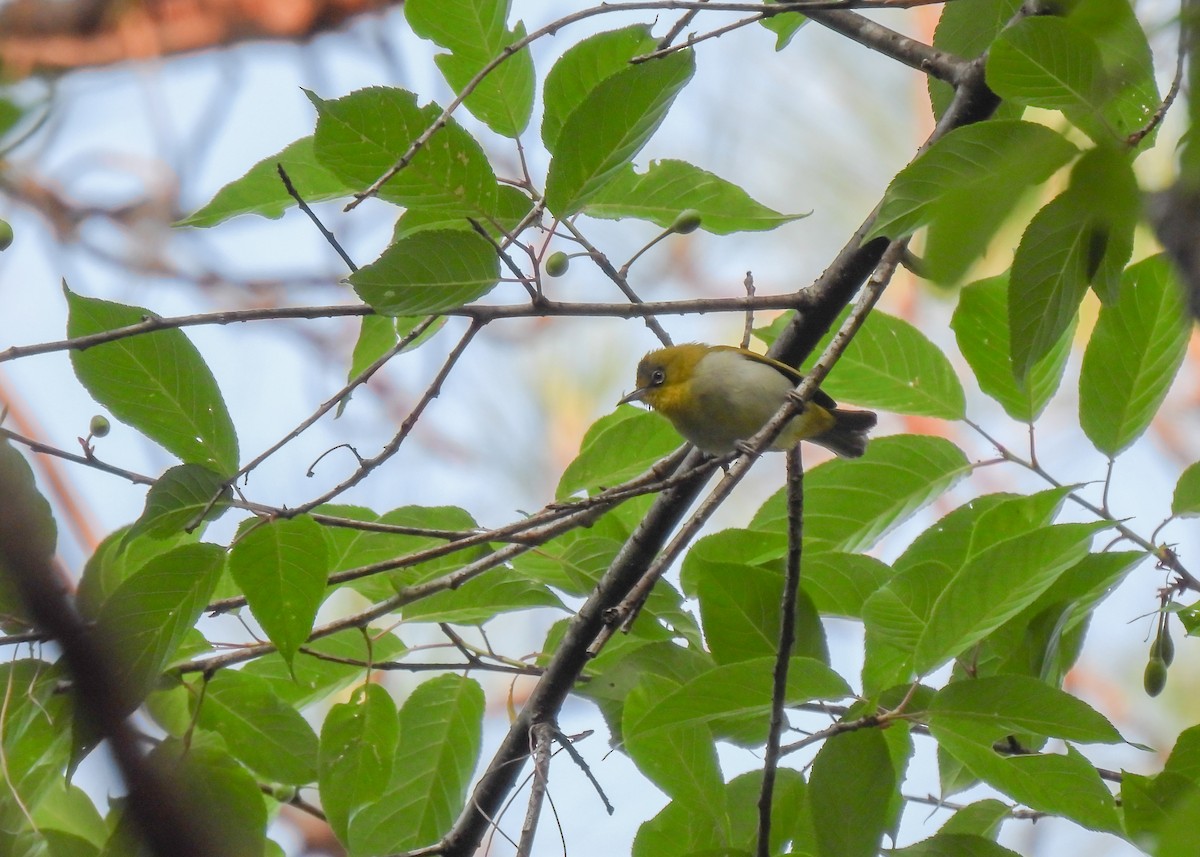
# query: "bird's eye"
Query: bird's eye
{"points": [[657, 377]]}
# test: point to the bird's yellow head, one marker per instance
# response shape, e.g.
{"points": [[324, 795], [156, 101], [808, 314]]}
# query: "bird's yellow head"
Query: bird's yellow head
{"points": [[663, 375]]}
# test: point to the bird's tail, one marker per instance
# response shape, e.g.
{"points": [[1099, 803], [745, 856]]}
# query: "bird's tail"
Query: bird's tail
{"points": [[848, 437]]}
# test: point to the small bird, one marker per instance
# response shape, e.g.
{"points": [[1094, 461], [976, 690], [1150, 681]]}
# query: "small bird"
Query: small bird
{"points": [[717, 396]]}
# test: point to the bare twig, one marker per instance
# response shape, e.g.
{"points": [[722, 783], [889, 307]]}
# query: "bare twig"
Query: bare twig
{"points": [[568, 743], [618, 277], [787, 639], [329, 236], [541, 736], [748, 327], [482, 314], [1167, 558]]}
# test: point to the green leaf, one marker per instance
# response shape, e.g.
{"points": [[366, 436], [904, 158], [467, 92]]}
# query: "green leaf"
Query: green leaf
{"points": [[428, 272], [221, 789], [981, 818], [482, 599], [680, 760], [1184, 760], [1066, 785], [852, 778], [610, 126], [840, 583], [617, 447], [978, 601], [737, 690], [941, 617], [964, 186], [114, 561], [1186, 502], [436, 753], [156, 382], [679, 829], [358, 747], [740, 610], [181, 497], [955, 845], [40, 542], [1043, 61], [669, 187], [1132, 358], [1045, 639], [1082, 236], [1151, 808], [67, 809], [35, 741], [582, 68], [625, 663], [967, 30], [262, 731], [147, 616], [898, 614], [1008, 704], [474, 32], [421, 528], [261, 190], [980, 326], [889, 364], [851, 503], [281, 566], [512, 206], [361, 136], [1129, 89], [784, 26]]}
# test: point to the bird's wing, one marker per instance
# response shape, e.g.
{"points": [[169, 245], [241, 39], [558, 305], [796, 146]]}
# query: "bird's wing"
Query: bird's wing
{"points": [[790, 372]]}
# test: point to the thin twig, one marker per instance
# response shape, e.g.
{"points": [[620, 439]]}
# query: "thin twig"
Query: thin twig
{"points": [[1167, 558], [393, 446], [618, 278], [568, 744], [1134, 139], [677, 28], [787, 639], [748, 327], [329, 236], [481, 313], [541, 736]]}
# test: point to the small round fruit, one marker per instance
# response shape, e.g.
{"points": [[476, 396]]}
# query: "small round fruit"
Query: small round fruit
{"points": [[557, 264], [6, 235], [687, 221], [1166, 646], [99, 426], [1155, 677]]}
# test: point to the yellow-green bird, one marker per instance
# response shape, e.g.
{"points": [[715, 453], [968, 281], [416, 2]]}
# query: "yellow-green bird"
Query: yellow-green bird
{"points": [[718, 395]]}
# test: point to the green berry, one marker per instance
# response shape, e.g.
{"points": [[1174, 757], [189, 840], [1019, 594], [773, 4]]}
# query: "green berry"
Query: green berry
{"points": [[687, 221], [1155, 677], [6, 235], [100, 426], [557, 264], [284, 794], [1166, 646]]}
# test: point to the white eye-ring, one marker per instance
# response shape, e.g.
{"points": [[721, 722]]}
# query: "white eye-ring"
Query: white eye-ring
{"points": [[657, 377]]}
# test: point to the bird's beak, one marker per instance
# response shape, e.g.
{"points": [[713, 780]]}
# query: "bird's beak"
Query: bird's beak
{"points": [[636, 396]]}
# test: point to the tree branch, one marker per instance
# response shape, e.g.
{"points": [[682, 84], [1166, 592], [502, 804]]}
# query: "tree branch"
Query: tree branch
{"points": [[787, 640]]}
